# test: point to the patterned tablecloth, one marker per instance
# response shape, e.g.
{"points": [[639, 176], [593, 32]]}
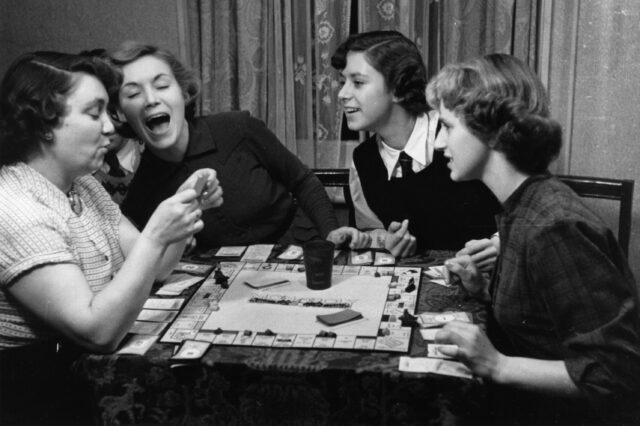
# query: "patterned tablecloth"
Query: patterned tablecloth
{"points": [[254, 385]]}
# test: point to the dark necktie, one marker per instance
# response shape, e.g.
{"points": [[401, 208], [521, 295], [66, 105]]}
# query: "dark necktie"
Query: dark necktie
{"points": [[405, 164], [114, 165]]}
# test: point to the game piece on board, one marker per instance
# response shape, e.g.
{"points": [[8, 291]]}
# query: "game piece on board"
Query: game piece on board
{"points": [[408, 320]]}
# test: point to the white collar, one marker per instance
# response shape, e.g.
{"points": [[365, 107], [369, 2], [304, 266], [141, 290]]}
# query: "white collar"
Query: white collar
{"points": [[419, 147]]}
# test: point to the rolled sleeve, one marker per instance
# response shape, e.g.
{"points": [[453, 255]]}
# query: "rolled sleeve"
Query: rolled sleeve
{"points": [[29, 244], [592, 300]]}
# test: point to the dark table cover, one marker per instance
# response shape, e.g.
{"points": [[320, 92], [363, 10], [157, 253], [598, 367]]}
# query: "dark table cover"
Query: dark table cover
{"points": [[256, 385]]}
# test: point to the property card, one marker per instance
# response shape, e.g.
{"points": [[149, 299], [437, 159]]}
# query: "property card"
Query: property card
{"points": [[176, 284], [257, 253], [137, 344], [382, 259], [435, 271], [193, 268], [438, 319], [164, 304], [154, 315], [436, 366], [340, 317], [363, 258], [191, 350], [291, 253], [142, 327], [438, 275], [417, 365], [230, 251]]}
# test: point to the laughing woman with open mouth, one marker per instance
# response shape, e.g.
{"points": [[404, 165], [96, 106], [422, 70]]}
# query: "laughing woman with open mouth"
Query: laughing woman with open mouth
{"points": [[259, 176]]}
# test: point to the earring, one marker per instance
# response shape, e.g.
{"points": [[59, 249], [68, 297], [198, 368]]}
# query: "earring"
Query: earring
{"points": [[48, 136]]}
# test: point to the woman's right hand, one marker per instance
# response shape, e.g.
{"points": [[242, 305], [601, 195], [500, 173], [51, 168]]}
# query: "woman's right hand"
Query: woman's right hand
{"points": [[484, 252], [175, 219], [205, 183], [472, 278], [399, 241]]}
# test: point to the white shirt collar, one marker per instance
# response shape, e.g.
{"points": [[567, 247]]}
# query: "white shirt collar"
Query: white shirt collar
{"points": [[419, 147]]}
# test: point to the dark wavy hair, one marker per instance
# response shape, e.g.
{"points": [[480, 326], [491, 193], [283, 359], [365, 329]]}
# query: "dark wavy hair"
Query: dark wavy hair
{"points": [[130, 51], [33, 95], [395, 57], [504, 104]]}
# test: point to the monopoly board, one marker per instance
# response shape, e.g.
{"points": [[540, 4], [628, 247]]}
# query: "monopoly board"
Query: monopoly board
{"points": [[286, 315]]}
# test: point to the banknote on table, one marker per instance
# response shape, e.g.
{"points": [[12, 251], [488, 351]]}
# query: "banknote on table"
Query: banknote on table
{"points": [[429, 333], [435, 366], [438, 319], [433, 350], [137, 344]]}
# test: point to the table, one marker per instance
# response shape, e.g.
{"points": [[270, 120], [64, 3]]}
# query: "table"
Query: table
{"points": [[255, 385]]}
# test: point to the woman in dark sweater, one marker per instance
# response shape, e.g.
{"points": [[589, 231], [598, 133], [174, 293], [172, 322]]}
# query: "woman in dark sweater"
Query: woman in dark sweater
{"points": [[400, 185], [259, 176]]}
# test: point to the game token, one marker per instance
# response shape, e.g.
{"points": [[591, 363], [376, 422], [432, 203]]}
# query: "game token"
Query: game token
{"points": [[411, 286], [409, 320]]}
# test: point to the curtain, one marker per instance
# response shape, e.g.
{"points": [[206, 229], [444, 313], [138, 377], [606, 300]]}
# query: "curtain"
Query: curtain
{"points": [[272, 58], [457, 30], [471, 28]]}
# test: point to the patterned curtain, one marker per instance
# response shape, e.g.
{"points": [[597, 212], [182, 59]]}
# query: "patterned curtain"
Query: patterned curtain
{"points": [[456, 30], [470, 28], [417, 19], [272, 58]]}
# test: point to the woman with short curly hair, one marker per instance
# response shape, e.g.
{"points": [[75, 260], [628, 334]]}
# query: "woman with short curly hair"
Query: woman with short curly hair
{"points": [[562, 344]]}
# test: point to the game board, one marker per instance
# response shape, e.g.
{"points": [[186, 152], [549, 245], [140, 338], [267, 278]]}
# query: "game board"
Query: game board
{"points": [[285, 315]]}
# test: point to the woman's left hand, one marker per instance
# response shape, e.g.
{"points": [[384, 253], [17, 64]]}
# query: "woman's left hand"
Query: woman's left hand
{"points": [[206, 184], [352, 237], [474, 348], [399, 241]]}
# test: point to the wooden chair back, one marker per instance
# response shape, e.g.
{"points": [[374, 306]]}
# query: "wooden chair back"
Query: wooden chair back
{"points": [[620, 190], [339, 178]]}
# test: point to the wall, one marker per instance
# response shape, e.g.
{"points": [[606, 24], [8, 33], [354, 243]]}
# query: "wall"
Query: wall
{"points": [[74, 25], [594, 82]]}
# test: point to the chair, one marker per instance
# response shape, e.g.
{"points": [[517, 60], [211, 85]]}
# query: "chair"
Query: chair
{"points": [[610, 189], [339, 178]]}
